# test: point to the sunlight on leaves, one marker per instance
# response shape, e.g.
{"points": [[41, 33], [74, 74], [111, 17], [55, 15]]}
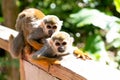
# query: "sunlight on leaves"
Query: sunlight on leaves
{"points": [[95, 17], [110, 24], [95, 44], [113, 33], [117, 5]]}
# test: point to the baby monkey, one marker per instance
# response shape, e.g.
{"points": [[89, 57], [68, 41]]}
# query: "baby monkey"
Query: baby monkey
{"points": [[33, 27], [56, 46], [60, 44]]}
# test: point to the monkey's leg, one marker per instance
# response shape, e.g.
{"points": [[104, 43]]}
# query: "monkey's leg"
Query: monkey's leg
{"points": [[16, 45], [35, 44]]}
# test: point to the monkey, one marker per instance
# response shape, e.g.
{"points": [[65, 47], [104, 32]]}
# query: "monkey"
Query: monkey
{"points": [[33, 28], [57, 46]]}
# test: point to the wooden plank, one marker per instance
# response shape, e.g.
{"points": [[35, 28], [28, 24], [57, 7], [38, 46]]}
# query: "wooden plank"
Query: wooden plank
{"points": [[56, 70], [4, 36], [22, 70], [70, 68], [35, 73]]}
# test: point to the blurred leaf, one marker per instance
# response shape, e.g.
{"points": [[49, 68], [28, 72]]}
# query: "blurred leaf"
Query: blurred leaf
{"points": [[93, 16], [117, 5], [113, 33], [1, 19], [94, 44], [97, 56], [116, 43]]}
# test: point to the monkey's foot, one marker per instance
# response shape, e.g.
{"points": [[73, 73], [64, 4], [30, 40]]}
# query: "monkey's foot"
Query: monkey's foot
{"points": [[80, 54], [27, 49], [56, 62]]}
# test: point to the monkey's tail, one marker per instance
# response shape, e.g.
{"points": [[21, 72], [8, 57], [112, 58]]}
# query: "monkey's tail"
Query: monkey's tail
{"points": [[11, 50]]}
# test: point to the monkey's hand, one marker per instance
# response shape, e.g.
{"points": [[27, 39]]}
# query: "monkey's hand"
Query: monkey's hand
{"points": [[80, 54], [49, 60], [39, 53], [43, 54]]}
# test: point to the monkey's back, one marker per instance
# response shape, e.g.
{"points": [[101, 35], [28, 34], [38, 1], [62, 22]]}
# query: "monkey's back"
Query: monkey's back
{"points": [[26, 16]]}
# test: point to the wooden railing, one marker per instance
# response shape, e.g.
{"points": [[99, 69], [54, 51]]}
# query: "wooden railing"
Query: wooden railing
{"points": [[70, 67]]}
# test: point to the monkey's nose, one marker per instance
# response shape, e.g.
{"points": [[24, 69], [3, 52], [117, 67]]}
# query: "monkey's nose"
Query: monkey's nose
{"points": [[61, 49], [50, 32]]}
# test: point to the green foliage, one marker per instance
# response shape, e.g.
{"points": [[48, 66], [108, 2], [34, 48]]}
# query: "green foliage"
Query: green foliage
{"points": [[117, 4], [117, 59], [105, 34], [94, 44], [1, 19], [5, 64], [109, 24], [95, 17]]}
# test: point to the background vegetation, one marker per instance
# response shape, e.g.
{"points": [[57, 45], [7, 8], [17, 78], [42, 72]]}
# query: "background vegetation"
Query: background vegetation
{"points": [[94, 24]]}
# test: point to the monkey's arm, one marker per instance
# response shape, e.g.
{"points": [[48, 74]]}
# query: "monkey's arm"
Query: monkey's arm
{"points": [[36, 45], [16, 45], [39, 53], [33, 37], [45, 53], [80, 54]]}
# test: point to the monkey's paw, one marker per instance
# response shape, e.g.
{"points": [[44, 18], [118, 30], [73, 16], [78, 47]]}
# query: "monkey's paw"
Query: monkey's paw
{"points": [[80, 54]]}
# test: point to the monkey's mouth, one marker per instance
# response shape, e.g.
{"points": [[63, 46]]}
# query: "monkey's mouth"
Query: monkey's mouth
{"points": [[50, 32], [61, 50]]}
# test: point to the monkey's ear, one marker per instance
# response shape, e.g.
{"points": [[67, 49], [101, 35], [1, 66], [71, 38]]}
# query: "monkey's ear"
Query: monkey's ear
{"points": [[71, 39], [60, 23]]}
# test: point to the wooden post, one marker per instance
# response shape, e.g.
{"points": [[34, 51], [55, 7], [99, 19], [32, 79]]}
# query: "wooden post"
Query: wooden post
{"points": [[70, 68]]}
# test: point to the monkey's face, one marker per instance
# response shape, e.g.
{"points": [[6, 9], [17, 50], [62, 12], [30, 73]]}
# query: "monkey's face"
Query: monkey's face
{"points": [[61, 43], [60, 46], [51, 24], [50, 29]]}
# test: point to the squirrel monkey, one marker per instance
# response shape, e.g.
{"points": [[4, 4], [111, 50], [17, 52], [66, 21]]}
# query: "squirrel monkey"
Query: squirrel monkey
{"points": [[33, 27], [60, 44]]}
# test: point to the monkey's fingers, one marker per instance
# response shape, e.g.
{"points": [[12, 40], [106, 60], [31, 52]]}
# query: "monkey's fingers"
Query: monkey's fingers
{"points": [[84, 57], [88, 57]]}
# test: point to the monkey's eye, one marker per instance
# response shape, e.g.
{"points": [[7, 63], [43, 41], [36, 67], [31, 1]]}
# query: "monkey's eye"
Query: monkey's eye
{"points": [[54, 27], [64, 43], [48, 26], [57, 44]]}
